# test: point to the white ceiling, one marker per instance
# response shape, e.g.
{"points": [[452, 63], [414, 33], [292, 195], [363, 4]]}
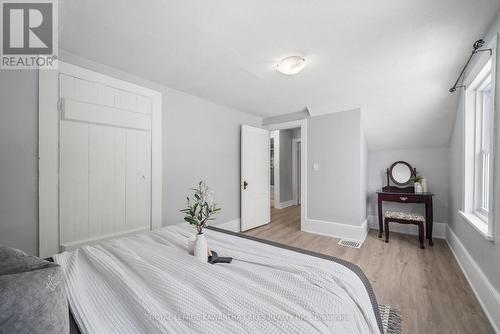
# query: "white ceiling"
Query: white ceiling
{"points": [[394, 59]]}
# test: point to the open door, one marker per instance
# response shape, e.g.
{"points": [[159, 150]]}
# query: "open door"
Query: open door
{"points": [[255, 177]]}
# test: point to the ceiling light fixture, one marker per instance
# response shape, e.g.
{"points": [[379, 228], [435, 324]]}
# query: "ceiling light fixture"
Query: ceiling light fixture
{"points": [[291, 65]]}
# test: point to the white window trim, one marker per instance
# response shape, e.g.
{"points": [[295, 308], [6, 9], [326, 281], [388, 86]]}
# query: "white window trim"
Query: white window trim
{"points": [[484, 227], [478, 224]]}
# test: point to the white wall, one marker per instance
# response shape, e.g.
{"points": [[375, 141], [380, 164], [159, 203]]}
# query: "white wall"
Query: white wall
{"points": [[479, 257], [201, 140], [433, 163]]}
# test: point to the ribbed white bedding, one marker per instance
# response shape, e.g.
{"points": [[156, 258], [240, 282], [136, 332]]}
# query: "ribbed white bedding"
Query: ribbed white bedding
{"points": [[148, 283]]}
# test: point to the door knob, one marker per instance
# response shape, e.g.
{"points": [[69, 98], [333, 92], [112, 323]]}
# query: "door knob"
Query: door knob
{"points": [[245, 184]]}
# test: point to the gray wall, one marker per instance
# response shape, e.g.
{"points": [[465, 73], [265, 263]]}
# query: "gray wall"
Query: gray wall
{"points": [[334, 191], [433, 163], [363, 173], [286, 138], [286, 192], [18, 159], [201, 140], [485, 253]]}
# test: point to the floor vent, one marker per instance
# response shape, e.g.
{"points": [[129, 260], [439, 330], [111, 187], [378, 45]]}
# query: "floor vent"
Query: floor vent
{"points": [[350, 243]]}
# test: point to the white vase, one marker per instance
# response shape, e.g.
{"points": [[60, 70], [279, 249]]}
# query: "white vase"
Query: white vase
{"points": [[424, 185], [201, 247], [418, 188], [191, 241]]}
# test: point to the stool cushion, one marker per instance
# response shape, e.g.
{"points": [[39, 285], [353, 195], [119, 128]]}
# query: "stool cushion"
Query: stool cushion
{"points": [[404, 216]]}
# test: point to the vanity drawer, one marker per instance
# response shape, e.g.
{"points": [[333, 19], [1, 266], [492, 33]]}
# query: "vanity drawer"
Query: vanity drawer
{"points": [[403, 198]]}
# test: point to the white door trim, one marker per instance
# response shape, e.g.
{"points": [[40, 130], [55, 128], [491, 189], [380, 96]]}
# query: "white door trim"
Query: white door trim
{"points": [[302, 124], [48, 150], [295, 189]]}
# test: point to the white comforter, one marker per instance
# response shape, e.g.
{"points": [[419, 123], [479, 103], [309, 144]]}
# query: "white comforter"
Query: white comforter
{"points": [[148, 283]]}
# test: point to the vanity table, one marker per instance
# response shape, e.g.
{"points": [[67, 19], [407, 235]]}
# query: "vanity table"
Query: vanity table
{"points": [[400, 173]]}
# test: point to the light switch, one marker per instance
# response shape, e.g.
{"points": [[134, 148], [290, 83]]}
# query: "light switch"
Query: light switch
{"points": [[315, 167]]}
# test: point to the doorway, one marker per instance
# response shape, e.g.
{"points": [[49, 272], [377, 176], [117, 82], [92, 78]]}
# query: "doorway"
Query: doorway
{"points": [[261, 177], [285, 180]]}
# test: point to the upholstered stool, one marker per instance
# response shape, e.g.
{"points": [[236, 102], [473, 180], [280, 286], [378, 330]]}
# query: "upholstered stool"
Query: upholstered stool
{"points": [[405, 218]]}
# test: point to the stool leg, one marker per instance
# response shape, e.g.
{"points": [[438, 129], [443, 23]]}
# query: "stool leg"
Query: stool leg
{"points": [[421, 234], [386, 227]]}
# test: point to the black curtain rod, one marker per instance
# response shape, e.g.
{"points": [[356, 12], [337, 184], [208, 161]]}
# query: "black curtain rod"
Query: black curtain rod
{"points": [[475, 49]]}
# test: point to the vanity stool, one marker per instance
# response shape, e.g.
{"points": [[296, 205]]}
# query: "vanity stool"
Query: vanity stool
{"points": [[405, 218]]}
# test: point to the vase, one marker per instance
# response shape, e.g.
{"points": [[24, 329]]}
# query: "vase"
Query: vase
{"points": [[200, 247], [424, 185], [191, 241], [418, 188]]}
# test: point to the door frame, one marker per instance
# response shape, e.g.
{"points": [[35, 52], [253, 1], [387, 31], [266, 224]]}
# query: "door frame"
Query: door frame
{"points": [[48, 149], [302, 124], [295, 190]]}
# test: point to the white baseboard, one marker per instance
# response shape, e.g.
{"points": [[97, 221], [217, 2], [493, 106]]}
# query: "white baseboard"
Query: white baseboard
{"points": [[232, 225], [283, 205], [488, 296], [438, 231], [336, 230]]}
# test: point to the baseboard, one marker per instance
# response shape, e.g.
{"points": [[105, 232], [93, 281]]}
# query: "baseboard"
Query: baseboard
{"points": [[438, 231], [232, 225], [336, 230], [286, 204], [487, 295]]}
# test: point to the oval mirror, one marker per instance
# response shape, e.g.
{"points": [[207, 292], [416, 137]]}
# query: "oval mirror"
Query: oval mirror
{"points": [[401, 173]]}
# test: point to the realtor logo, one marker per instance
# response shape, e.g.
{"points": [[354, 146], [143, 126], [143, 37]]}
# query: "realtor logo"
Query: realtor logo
{"points": [[29, 34]]}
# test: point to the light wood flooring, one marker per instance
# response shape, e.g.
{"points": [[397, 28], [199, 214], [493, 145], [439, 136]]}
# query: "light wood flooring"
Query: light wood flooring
{"points": [[426, 285]]}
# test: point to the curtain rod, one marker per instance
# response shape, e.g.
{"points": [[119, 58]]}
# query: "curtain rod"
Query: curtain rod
{"points": [[476, 47]]}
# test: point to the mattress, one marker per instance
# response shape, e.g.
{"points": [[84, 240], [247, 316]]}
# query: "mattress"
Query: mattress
{"points": [[148, 283]]}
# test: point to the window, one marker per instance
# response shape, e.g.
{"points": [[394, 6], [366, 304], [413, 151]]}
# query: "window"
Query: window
{"points": [[478, 136], [484, 113]]}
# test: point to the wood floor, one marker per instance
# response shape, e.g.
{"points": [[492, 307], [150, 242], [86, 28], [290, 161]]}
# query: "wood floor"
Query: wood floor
{"points": [[426, 285]]}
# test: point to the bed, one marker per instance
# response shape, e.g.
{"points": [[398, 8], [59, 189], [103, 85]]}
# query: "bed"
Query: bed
{"points": [[148, 283]]}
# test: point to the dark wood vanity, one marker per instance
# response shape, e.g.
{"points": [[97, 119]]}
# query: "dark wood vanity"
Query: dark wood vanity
{"points": [[402, 193]]}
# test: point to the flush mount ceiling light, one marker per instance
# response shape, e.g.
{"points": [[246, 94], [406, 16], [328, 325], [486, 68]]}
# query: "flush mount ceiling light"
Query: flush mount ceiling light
{"points": [[291, 65]]}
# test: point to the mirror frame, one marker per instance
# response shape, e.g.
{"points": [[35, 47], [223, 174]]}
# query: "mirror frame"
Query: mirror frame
{"points": [[412, 173]]}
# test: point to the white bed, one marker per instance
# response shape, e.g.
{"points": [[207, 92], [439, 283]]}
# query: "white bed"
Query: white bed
{"points": [[148, 283]]}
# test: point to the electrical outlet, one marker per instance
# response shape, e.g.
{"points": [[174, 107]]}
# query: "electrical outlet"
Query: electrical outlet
{"points": [[315, 167]]}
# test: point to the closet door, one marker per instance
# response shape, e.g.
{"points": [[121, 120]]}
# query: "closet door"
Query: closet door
{"points": [[104, 161]]}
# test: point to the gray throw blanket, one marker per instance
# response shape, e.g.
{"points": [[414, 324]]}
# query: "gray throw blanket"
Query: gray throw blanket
{"points": [[32, 298]]}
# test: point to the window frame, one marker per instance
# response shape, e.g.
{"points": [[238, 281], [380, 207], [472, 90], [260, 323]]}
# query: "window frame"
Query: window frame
{"points": [[481, 75], [479, 150]]}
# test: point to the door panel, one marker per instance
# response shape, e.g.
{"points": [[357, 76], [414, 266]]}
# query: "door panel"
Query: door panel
{"points": [[74, 181], [107, 180], [138, 194], [105, 161], [255, 177]]}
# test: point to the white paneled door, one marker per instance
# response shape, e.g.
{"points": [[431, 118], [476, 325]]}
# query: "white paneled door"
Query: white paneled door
{"points": [[255, 177], [104, 161]]}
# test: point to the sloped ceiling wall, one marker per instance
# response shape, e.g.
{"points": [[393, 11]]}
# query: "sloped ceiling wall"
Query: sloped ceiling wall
{"points": [[393, 59]]}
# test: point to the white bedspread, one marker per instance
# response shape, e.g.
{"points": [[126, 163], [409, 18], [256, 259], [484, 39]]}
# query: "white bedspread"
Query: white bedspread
{"points": [[148, 283]]}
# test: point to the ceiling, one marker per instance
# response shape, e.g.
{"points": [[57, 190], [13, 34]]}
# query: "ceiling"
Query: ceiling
{"points": [[394, 59]]}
